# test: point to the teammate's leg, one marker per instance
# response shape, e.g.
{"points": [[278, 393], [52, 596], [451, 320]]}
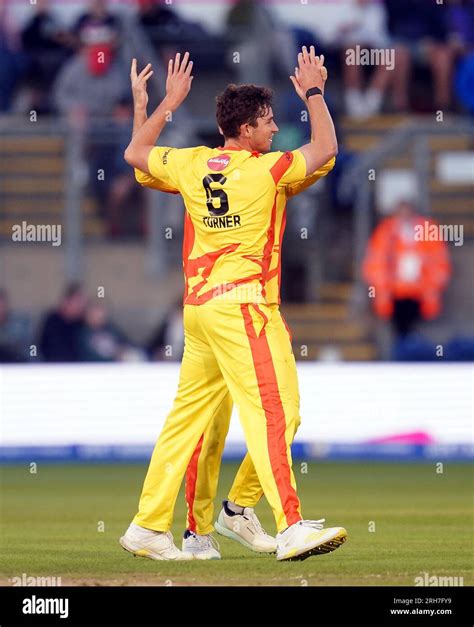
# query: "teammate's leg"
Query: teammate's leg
{"points": [[236, 520], [202, 474], [200, 395], [246, 490]]}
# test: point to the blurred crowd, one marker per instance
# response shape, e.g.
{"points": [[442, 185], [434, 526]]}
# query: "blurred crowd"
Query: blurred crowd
{"points": [[80, 70], [79, 329], [421, 35], [76, 69]]}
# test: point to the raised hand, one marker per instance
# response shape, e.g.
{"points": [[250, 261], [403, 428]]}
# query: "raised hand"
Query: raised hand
{"points": [[178, 82], [139, 81], [309, 73]]}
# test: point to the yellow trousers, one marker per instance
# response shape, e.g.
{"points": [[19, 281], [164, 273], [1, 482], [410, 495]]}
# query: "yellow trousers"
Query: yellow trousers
{"points": [[237, 353]]}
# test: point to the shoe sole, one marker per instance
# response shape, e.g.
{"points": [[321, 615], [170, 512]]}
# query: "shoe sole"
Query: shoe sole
{"points": [[199, 556], [145, 553], [326, 547], [223, 531]]}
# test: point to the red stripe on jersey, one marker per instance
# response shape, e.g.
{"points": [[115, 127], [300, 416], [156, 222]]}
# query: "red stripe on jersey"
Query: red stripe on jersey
{"points": [[281, 166], [188, 243], [268, 249], [205, 263], [191, 480], [275, 417], [282, 232]]}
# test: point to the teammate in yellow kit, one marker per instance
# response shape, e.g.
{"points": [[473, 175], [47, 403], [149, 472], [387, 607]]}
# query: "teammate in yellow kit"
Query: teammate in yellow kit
{"points": [[235, 338], [203, 470]]}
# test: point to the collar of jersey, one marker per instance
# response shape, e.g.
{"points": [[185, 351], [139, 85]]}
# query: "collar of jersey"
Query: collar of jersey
{"points": [[253, 153]]}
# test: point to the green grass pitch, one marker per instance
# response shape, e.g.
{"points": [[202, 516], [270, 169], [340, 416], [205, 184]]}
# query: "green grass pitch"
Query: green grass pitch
{"points": [[402, 519]]}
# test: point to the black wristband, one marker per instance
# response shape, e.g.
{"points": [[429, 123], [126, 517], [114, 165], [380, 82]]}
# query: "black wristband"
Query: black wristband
{"points": [[313, 91]]}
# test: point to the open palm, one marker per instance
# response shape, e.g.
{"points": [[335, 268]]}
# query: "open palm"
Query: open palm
{"points": [[179, 79], [139, 84]]}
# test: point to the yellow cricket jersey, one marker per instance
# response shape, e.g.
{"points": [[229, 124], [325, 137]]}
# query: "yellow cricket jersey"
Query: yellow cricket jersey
{"points": [[235, 216]]}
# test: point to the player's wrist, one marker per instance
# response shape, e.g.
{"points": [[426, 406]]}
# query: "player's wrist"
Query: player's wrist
{"points": [[315, 90], [171, 103], [139, 107]]}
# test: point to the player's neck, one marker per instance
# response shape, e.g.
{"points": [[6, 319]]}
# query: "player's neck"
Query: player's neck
{"points": [[237, 144]]}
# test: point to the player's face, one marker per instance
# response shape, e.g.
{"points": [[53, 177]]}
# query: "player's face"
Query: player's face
{"points": [[261, 136]]}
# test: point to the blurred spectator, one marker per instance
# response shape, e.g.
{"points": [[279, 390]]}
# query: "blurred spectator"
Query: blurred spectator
{"points": [[461, 23], [152, 14], [93, 82], [90, 90], [59, 337], [169, 33], [168, 341], [47, 45], [97, 25], [12, 67], [408, 273], [419, 31], [99, 339], [461, 14], [464, 83], [365, 27], [14, 333], [261, 43], [163, 25]]}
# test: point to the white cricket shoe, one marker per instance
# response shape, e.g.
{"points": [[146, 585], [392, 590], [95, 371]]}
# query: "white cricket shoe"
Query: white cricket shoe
{"points": [[308, 537], [152, 544], [246, 529], [201, 547]]}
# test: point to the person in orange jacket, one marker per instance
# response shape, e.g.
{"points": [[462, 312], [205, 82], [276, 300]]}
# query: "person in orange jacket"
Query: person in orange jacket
{"points": [[407, 267]]}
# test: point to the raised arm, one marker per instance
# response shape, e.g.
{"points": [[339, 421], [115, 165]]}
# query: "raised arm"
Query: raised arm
{"points": [[140, 94], [140, 104], [312, 73], [178, 84]]}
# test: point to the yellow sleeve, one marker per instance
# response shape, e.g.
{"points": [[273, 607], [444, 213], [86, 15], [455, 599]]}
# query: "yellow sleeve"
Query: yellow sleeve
{"points": [[147, 180], [168, 164], [286, 167], [296, 188]]}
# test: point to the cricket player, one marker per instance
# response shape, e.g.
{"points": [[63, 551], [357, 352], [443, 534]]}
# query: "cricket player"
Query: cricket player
{"points": [[236, 341], [237, 519]]}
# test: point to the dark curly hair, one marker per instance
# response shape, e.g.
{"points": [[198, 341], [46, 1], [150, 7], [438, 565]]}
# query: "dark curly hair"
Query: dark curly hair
{"points": [[241, 104]]}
